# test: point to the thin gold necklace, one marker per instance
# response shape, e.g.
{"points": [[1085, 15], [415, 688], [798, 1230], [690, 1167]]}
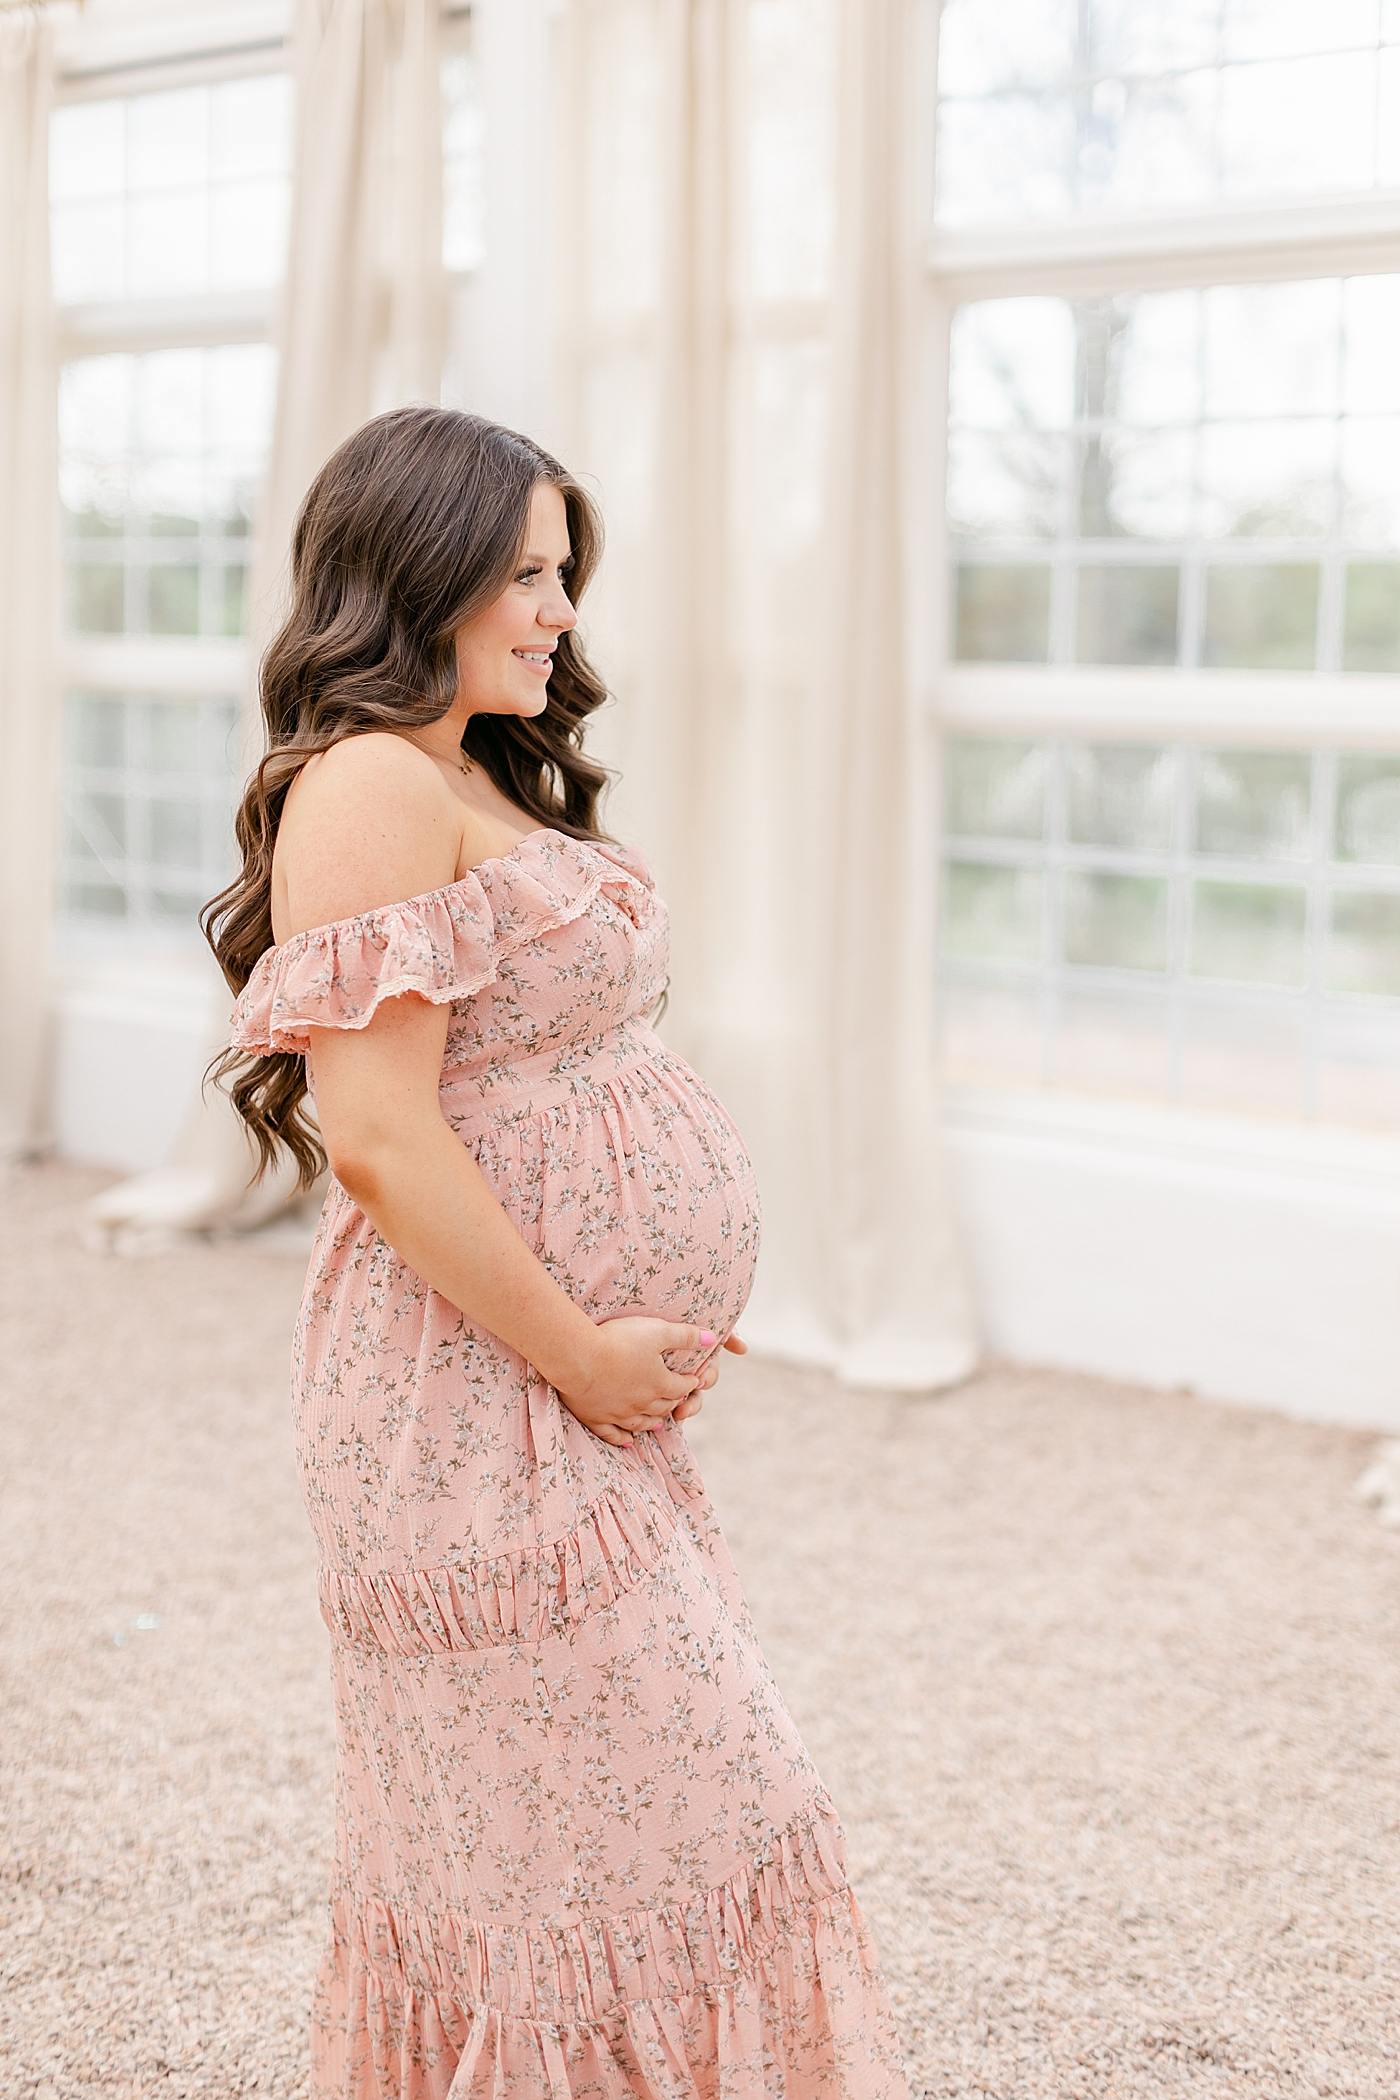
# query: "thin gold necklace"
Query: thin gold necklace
{"points": [[464, 764]]}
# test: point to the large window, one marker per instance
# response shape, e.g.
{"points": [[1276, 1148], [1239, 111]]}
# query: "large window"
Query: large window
{"points": [[170, 217], [1173, 525], [164, 204]]}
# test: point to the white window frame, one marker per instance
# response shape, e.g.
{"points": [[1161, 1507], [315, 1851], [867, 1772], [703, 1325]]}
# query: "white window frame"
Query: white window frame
{"points": [[98, 64], [1259, 244], [1314, 712]]}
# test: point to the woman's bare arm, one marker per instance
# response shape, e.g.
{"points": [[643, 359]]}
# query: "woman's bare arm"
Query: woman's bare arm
{"points": [[416, 1182], [374, 826]]}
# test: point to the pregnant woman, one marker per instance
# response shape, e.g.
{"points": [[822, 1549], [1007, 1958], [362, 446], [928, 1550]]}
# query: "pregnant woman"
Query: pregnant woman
{"points": [[581, 1850]]}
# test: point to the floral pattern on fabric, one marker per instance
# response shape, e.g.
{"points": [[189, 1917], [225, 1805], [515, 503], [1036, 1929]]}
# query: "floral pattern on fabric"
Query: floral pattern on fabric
{"points": [[581, 1849]]}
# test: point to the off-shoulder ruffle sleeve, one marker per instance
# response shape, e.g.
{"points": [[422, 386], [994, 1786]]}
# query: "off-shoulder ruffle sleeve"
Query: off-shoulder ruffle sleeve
{"points": [[444, 946]]}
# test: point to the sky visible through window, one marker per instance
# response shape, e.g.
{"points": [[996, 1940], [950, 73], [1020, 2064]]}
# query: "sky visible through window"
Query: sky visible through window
{"points": [[1050, 108], [1188, 477], [174, 193]]}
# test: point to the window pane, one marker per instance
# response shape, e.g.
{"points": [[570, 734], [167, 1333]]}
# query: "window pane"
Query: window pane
{"points": [[1005, 484], [995, 913], [1146, 104], [1002, 614], [1135, 485], [1147, 142], [97, 900], [1298, 125], [1268, 480], [994, 789], [87, 150], [1254, 804], [1293, 28], [175, 834], [1010, 157], [988, 44], [1368, 810], [1121, 795], [1153, 36], [1116, 921], [96, 598], [248, 224], [1159, 378], [1371, 633], [1370, 368], [1248, 932], [1013, 364], [102, 822], [1261, 616], [173, 738], [463, 168], [173, 192], [97, 732], [89, 251], [161, 448], [149, 790], [1363, 954], [1371, 480], [1127, 615], [250, 137], [174, 600]]}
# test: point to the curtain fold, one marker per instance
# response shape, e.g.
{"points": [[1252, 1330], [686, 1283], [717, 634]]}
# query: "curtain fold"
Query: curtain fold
{"points": [[363, 313], [30, 731], [737, 372], [361, 328]]}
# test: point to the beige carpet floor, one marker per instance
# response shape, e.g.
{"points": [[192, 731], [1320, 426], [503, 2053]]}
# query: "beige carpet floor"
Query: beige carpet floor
{"points": [[1106, 1685]]}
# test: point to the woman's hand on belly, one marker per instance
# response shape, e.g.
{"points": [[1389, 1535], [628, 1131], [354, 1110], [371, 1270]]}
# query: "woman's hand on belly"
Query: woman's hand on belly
{"points": [[708, 1376], [389, 1147], [612, 1396]]}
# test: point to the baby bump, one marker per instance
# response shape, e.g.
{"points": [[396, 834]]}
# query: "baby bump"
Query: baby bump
{"points": [[639, 1197]]}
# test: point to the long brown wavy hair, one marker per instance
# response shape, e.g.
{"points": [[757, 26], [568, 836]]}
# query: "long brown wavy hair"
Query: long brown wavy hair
{"points": [[415, 525]]}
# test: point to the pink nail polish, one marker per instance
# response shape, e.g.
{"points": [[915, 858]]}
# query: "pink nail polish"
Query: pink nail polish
{"points": [[707, 1340]]}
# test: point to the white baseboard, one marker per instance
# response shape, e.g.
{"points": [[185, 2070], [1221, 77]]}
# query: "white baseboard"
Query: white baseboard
{"points": [[1249, 1261]]}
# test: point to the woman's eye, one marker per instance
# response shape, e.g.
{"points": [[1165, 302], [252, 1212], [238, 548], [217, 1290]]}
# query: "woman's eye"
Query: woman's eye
{"points": [[527, 575]]}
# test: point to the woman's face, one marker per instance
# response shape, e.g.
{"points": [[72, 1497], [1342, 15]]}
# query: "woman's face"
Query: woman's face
{"points": [[506, 653]]}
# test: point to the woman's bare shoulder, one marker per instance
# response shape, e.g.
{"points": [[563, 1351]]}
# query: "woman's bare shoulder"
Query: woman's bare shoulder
{"points": [[368, 822]]}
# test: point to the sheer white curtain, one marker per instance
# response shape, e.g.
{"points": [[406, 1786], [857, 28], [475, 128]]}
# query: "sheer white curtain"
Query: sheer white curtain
{"points": [[364, 312], [29, 724], [737, 371], [361, 329]]}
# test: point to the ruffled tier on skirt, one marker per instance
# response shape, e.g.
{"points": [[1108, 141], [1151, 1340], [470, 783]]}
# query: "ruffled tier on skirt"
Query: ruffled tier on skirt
{"points": [[765, 1986]]}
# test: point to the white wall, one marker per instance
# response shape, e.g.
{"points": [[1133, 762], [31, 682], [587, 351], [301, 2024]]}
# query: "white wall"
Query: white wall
{"points": [[1255, 1262], [130, 1046]]}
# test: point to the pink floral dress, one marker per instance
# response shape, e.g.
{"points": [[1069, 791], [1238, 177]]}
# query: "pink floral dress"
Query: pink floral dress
{"points": [[581, 1849]]}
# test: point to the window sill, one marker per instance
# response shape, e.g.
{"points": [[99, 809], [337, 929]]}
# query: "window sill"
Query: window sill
{"points": [[1126, 1136], [1268, 708]]}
